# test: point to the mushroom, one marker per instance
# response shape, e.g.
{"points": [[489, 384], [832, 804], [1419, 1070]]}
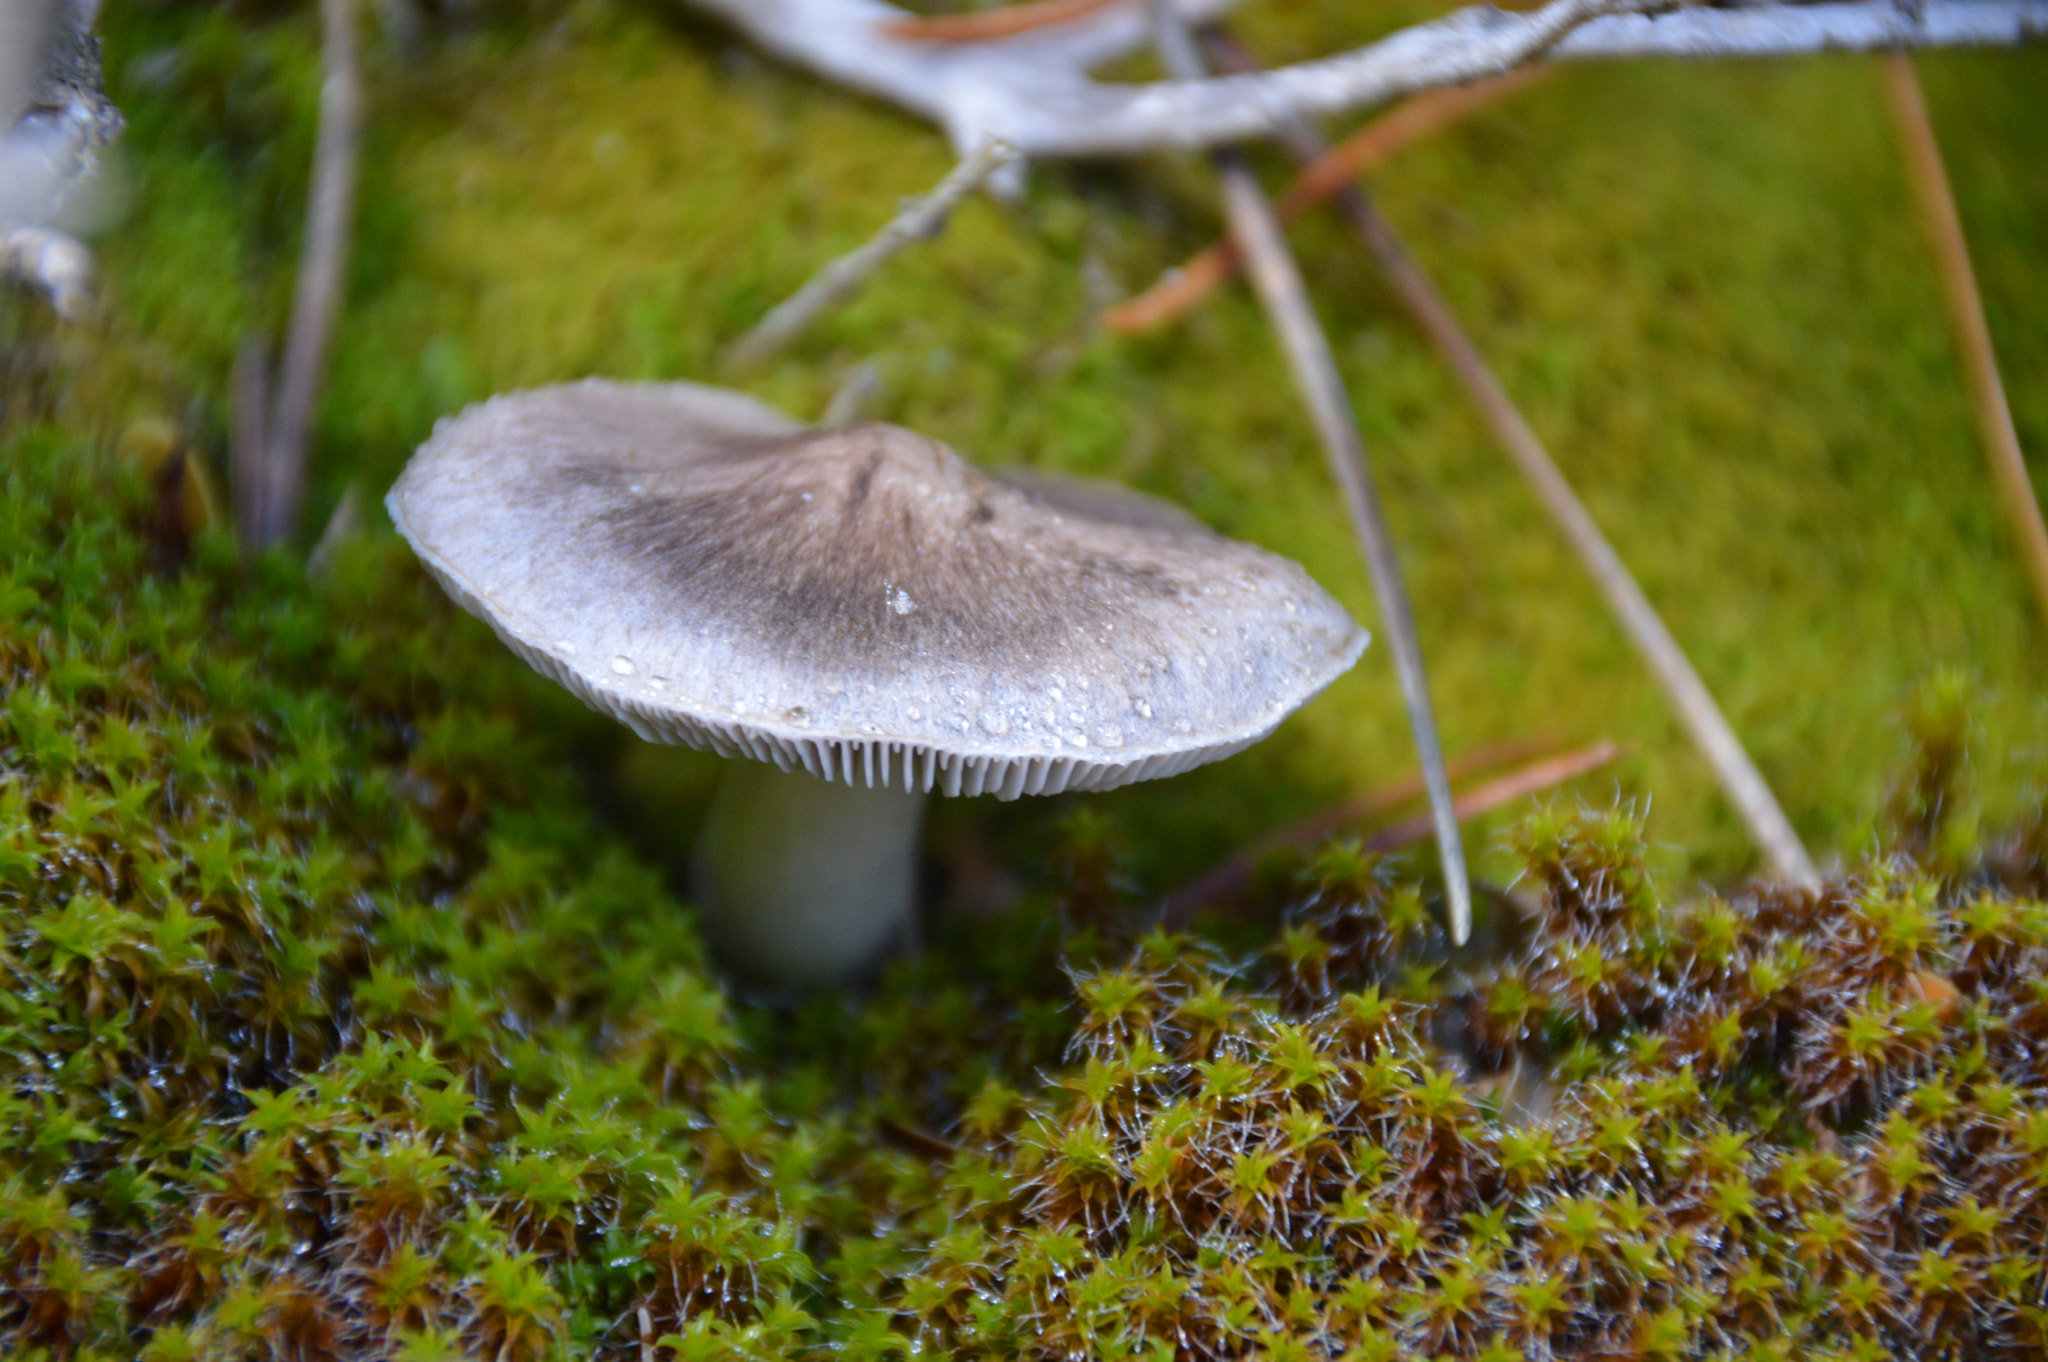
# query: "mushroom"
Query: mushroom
{"points": [[861, 615]]}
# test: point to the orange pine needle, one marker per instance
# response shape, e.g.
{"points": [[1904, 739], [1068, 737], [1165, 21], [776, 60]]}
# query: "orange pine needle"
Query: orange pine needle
{"points": [[1410, 121], [1230, 878], [989, 25]]}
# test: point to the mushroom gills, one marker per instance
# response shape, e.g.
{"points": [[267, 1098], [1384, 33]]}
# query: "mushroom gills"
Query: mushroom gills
{"points": [[801, 882]]}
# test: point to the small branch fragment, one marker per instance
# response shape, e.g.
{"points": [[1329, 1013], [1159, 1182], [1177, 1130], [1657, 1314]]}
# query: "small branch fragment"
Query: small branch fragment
{"points": [[1966, 315], [855, 392], [58, 265], [920, 218], [1179, 290], [344, 525], [1278, 281], [272, 504], [1711, 732], [988, 25]]}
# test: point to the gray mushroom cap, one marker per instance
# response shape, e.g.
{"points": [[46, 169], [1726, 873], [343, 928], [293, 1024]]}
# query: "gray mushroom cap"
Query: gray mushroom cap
{"points": [[858, 601]]}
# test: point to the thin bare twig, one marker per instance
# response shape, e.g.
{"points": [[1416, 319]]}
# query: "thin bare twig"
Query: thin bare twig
{"points": [[1033, 91], [1739, 778], [323, 255], [53, 262], [987, 25], [920, 218], [1229, 878], [850, 401], [1278, 281], [1181, 288], [1966, 315]]}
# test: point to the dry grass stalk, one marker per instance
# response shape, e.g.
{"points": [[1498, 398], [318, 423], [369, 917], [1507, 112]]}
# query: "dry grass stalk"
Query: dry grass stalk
{"points": [[1277, 279], [1966, 315], [271, 461], [1711, 732]]}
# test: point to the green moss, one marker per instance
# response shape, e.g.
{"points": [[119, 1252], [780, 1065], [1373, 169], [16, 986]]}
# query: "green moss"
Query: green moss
{"points": [[1705, 283], [333, 1026], [339, 1019]]}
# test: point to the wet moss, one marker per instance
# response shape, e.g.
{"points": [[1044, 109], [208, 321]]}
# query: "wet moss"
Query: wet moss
{"points": [[334, 1027], [1704, 282], [340, 1019]]}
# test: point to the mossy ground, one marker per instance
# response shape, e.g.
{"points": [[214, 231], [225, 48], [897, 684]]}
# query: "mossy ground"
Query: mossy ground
{"points": [[334, 1026], [1705, 283], [269, 835]]}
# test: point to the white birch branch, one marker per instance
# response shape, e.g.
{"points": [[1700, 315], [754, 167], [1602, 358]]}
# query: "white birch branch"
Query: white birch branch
{"points": [[1033, 90]]}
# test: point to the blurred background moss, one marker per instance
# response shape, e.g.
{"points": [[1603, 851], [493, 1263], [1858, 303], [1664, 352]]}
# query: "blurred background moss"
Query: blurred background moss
{"points": [[1705, 283]]}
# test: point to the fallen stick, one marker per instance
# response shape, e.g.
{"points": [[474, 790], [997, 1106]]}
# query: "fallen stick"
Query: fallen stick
{"points": [[1966, 315], [850, 401], [1712, 734], [273, 504], [1228, 878], [987, 25], [839, 278], [1278, 282], [1329, 174]]}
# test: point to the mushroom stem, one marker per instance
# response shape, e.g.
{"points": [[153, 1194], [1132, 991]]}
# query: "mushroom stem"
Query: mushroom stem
{"points": [[801, 882]]}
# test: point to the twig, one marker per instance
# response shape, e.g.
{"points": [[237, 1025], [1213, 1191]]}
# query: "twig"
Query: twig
{"points": [[988, 25], [1229, 877], [1740, 780], [850, 401], [1183, 287], [322, 256], [920, 217], [1966, 315], [1278, 281], [345, 524], [1032, 89], [58, 264]]}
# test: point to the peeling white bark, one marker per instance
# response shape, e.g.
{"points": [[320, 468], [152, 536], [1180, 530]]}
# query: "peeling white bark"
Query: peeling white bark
{"points": [[1034, 92]]}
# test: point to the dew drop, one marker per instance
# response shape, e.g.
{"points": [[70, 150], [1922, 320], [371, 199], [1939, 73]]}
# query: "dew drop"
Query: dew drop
{"points": [[624, 666]]}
